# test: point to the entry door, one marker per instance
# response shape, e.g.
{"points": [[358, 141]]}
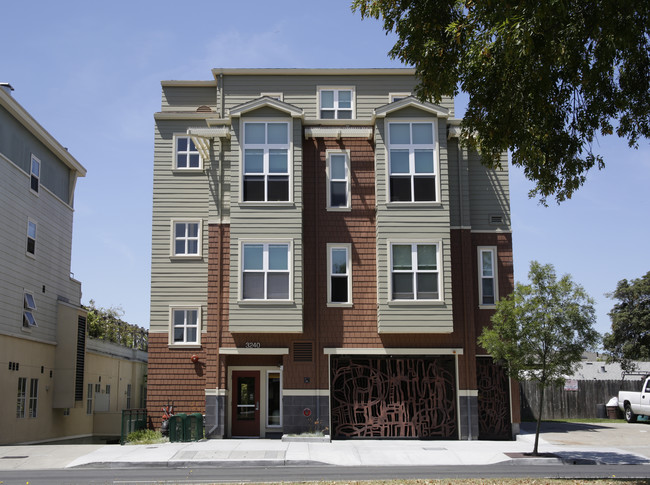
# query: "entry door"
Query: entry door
{"points": [[246, 403]]}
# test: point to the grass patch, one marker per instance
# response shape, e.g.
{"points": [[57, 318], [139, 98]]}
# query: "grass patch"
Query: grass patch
{"points": [[145, 437]]}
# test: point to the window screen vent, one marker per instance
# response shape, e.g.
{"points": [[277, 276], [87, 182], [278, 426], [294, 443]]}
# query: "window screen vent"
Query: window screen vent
{"points": [[81, 358], [496, 219], [303, 352]]}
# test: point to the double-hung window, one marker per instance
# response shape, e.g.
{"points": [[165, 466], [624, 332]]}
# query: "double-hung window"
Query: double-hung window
{"points": [[339, 289], [33, 398], [31, 237], [266, 162], [487, 286], [185, 325], [186, 154], [336, 104], [187, 238], [415, 273], [22, 397], [265, 271], [412, 162], [338, 184], [35, 174]]}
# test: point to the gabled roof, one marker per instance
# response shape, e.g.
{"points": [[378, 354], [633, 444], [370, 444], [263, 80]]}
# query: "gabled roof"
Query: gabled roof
{"points": [[411, 102], [266, 102], [17, 111]]}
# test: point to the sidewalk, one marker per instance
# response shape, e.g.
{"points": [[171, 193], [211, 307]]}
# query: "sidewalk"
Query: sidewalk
{"points": [[263, 452]]}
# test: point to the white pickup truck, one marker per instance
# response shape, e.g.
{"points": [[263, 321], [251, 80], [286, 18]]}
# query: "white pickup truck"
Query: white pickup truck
{"points": [[635, 404]]}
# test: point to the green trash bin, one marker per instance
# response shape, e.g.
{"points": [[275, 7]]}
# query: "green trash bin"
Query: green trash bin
{"points": [[177, 427], [193, 430]]}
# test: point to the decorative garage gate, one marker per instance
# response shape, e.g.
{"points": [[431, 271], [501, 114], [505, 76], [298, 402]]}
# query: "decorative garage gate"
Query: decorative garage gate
{"points": [[494, 421], [411, 397]]}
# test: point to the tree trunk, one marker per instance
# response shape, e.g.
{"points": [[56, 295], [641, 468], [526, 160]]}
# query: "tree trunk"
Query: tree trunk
{"points": [[539, 419]]}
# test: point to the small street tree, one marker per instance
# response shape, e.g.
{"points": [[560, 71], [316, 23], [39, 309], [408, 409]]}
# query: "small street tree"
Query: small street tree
{"points": [[541, 330], [630, 336]]}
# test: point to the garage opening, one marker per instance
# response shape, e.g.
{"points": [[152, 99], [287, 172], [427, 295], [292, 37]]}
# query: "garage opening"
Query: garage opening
{"points": [[394, 397]]}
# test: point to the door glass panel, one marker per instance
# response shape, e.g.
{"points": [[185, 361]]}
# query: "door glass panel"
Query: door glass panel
{"points": [[273, 404], [246, 398]]}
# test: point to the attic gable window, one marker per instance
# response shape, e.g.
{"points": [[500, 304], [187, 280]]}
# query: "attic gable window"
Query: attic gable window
{"points": [[336, 104]]}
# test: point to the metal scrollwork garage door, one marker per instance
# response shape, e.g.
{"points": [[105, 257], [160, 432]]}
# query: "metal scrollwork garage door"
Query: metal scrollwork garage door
{"points": [[394, 398], [493, 401]]}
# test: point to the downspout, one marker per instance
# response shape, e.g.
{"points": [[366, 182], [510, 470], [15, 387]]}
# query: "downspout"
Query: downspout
{"points": [[468, 398], [317, 278]]}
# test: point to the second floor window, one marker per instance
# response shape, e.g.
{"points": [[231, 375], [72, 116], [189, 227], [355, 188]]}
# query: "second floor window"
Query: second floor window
{"points": [[186, 238], [265, 271], [336, 104], [31, 237], [411, 153], [266, 162], [338, 188], [414, 271], [187, 155]]}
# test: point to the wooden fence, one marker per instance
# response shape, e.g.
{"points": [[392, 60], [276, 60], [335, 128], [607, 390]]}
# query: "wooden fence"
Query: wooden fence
{"points": [[562, 404]]}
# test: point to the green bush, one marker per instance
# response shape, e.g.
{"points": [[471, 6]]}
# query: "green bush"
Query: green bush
{"points": [[145, 437]]}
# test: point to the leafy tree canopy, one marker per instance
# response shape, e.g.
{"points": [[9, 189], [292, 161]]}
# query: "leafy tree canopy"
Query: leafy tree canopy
{"points": [[107, 324], [542, 329], [544, 78], [630, 336]]}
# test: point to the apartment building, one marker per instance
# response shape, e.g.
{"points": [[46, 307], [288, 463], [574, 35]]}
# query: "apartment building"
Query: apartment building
{"points": [[324, 256], [42, 324]]}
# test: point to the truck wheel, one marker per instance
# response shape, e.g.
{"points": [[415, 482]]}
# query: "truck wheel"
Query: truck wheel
{"points": [[630, 417]]}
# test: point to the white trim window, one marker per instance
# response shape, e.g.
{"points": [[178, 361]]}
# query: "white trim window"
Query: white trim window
{"points": [[336, 103], [186, 155], [185, 325], [29, 307], [186, 238], [339, 274], [31, 237], [338, 180], [21, 399], [33, 398], [412, 161], [393, 97], [487, 276], [35, 174], [273, 398], [266, 273], [415, 273], [266, 162]]}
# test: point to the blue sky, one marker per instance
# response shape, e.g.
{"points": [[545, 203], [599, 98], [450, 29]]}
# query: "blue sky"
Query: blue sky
{"points": [[90, 73]]}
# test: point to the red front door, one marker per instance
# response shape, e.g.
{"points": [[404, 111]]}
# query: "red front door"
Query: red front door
{"points": [[246, 403]]}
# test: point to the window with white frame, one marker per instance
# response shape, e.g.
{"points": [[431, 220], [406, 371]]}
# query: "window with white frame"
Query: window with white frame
{"points": [[415, 273], [273, 398], [21, 400], [33, 398], [338, 183], [31, 237], [336, 104], [397, 96], [487, 287], [265, 271], [412, 162], [29, 307], [339, 274], [266, 162], [186, 155], [185, 325], [35, 174], [187, 238]]}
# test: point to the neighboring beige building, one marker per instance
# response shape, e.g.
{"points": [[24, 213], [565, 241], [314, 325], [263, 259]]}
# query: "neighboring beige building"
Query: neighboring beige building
{"points": [[45, 366]]}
